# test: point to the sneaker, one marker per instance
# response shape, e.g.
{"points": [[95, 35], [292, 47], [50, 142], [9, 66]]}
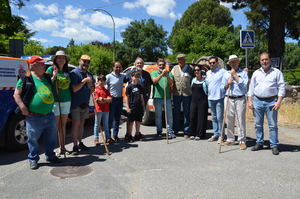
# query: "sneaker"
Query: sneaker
{"points": [[197, 138], [75, 150], [228, 143], [83, 147], [275, 150], [53, 160], [159, 134], [192, 137], [116, 139], [220, 140], [257, 147], [33, 165], [176, 132], [172, 136], [243, 146], [213, 139], [138, 136], [96, 142], [128, 138]]}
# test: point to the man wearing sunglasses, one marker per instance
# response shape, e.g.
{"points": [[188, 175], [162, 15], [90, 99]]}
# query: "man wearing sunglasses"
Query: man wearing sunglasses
{"points": [[82, 82], [216, 94]]}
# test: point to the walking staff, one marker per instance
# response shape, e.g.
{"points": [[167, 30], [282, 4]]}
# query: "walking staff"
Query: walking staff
{"points": [[166, 119], [221, 140]]}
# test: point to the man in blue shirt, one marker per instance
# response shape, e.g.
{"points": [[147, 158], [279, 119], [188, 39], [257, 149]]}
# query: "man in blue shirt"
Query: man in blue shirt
{"points": [[114, 82], [215, 96], [266, 91], [82, 82], [238, 79]]}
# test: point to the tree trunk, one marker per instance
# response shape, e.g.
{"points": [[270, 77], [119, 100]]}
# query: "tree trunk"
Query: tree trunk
{"points": [[276, 32]]}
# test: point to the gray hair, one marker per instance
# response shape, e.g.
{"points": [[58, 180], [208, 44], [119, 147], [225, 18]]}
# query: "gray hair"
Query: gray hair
{"points": [[138, 58]]}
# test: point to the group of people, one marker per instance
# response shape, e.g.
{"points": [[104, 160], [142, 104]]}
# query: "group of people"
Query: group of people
{"points": [[47, 98]]}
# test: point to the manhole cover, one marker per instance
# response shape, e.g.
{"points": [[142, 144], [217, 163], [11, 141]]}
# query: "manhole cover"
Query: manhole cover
{"points": [[71, 171]]}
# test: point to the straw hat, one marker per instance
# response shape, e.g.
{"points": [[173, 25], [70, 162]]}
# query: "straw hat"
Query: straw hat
{"points": [[60, 52]]}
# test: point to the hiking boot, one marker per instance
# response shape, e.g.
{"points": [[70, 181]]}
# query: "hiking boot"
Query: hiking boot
{"points": [[275, 150], [213, 139], [33, 165], [243, 146], [116, 139], [83, 147], [75, 150], [228, 143], [96, 142], [257, 147]]}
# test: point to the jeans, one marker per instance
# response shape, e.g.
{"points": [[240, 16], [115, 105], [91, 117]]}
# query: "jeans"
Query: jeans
{"points": [[186, 101], [159, 104], [35, 127], [104, 116], [260, 108], [115, 108], [217, 111]]}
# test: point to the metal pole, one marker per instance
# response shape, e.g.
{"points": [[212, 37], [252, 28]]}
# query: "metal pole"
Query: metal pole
{"points": [[114, 46], [246, 50]]}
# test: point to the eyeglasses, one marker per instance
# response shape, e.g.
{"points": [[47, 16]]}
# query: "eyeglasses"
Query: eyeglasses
{"points": [[161, 64], [86, 61], [212, 62]]}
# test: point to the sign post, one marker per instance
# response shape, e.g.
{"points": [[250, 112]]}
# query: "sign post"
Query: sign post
{"points": [[247, 41]]}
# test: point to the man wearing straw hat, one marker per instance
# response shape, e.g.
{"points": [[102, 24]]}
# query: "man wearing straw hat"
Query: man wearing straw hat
{"points": [[82, 82], [238, 79], [34, 96]]}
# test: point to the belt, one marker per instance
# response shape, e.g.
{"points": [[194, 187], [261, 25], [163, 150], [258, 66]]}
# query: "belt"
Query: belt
{"points": [[235, 97], [117, 98], [265, 98], [37, 114]]}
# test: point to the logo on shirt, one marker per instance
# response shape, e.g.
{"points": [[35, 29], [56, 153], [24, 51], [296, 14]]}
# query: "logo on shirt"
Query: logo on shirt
{"points": [[45, 94], [63, 82]]}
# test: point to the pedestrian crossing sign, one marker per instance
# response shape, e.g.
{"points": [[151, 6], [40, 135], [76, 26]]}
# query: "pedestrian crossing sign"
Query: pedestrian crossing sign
{"points": [[247, 39]]}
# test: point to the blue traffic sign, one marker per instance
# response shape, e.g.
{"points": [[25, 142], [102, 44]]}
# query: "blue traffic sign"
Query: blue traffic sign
{"points": [[247, 39]]}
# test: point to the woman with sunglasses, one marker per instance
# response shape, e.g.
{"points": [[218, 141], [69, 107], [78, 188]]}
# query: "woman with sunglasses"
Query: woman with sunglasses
{"points": [[199, 105]]}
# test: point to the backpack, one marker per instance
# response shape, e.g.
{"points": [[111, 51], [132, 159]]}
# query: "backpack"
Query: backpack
{"points": [[28, 89]]}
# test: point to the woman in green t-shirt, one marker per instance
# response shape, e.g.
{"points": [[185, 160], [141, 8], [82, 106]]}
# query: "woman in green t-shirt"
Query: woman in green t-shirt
{"points": [[62, 94]]}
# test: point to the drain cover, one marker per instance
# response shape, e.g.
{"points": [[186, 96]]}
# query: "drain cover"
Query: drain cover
{"points": [[71, 171]]}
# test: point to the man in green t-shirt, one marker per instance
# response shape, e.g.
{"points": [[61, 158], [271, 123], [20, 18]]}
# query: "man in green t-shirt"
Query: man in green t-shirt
{"points": [[37, 108], [162, 82]]}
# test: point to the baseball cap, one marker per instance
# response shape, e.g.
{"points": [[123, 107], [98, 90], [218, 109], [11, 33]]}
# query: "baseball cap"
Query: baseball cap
{"points": [[36, 58]]}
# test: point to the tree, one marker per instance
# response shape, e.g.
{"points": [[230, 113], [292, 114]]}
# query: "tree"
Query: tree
{"points": [[34, 48], [71, 43], [54, 49], [208, 12], [147, 38], [275, 19]]}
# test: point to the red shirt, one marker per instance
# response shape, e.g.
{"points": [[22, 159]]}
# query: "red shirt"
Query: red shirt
{"points": [[101, 92]]}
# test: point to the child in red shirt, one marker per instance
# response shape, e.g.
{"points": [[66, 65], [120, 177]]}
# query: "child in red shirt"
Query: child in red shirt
{"points": [[102, 98]]}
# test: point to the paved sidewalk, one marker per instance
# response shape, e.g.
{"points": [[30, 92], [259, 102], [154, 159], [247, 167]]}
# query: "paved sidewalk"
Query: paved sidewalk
{"points": [[153, 169]]}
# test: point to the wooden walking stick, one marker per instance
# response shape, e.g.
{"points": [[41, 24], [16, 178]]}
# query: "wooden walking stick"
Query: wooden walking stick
{"points": [[100, 129], [61, 137], [165, 103], [224, 118]]}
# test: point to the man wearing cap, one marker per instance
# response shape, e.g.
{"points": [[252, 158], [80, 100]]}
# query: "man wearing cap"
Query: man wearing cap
{"points": [[215, 94], [182, 75], [114, 82], [82, 83], [237, 78], [266, 91], [34, 96]]}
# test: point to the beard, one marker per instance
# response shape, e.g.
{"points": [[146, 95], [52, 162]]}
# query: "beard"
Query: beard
{"points": [[265, 66]]}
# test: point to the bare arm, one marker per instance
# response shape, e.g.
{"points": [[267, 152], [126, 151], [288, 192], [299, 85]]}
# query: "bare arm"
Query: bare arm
{"points": [[19, 101], [77, 87], [127, 104], [250, 103]]}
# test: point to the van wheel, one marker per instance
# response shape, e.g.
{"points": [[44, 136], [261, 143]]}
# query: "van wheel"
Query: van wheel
{"points": [[16, 136], [149, 117]]}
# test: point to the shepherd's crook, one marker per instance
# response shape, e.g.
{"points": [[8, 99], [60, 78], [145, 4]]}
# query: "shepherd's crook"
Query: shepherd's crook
{"points": [[165, 102], [224, 118]]}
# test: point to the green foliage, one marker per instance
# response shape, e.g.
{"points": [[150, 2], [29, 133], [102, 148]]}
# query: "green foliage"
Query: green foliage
{"points": [[54, 49], [101, 58], [292, 56], [34, 48], [290, 79], [208, 12], [144, 37]]}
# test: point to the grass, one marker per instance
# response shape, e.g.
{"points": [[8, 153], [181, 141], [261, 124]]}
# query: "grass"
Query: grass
{"points": [[289, 113]]}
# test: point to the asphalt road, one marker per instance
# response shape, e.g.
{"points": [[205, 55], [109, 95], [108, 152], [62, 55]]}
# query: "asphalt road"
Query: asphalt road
{"points": [[153, 169]]}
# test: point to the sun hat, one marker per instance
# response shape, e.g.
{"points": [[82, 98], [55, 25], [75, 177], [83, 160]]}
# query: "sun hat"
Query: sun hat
{"points": [[60, 52], [179, 56], [233, 57], [85, 57]]}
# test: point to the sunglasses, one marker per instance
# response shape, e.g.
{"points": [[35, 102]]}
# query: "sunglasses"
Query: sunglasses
{"points": [[197, 70], [86, 61], [212, 62]]}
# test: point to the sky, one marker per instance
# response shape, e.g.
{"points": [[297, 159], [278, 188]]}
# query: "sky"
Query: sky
{"points": [[57, 21]]}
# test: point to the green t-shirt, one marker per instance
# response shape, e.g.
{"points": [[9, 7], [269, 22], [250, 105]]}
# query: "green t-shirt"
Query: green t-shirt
{"points": [[43, 100], [64, 82], [159, 87]]}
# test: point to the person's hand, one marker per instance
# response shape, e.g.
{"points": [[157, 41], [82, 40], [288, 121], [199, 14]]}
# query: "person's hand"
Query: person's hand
{"points": [[229, 82], [87, 80], [276, 106], [24, 110], [128, 110], [55, 71], [165, 72], [250, 104], [232, 72]]}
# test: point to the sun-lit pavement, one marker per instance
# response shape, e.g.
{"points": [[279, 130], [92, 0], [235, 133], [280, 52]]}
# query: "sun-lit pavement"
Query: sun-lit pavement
{"points": [[153, 169]]}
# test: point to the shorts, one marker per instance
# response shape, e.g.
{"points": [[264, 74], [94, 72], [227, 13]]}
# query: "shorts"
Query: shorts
{"points": [[80, 113], [135, 115], [64, 107]]}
